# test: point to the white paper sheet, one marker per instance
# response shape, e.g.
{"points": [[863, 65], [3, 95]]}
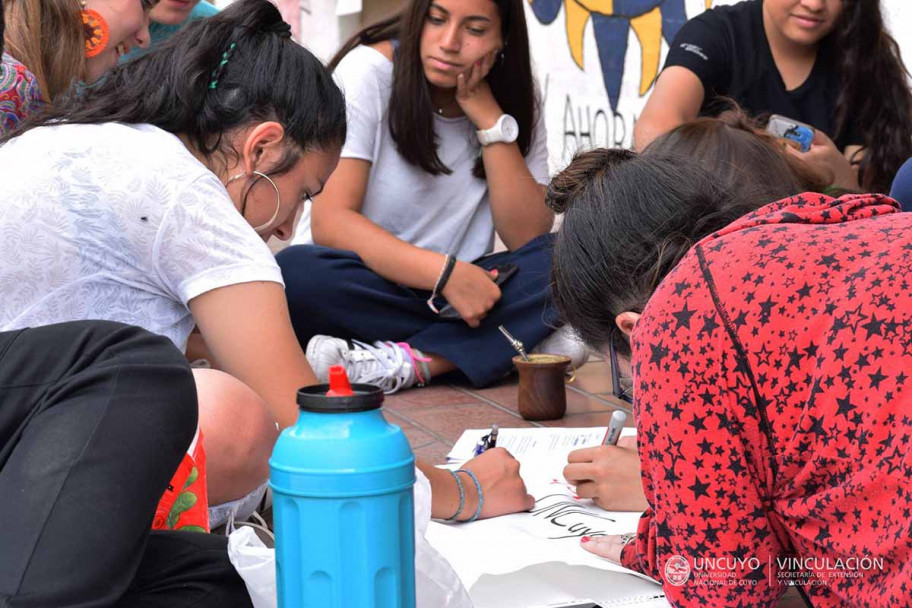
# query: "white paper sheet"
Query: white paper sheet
{"points": [[551, 532]]}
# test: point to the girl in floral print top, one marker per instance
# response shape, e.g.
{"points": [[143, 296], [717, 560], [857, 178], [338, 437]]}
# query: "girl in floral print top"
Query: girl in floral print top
{"points": [[772, 378], [34, 72], [19, 93]]}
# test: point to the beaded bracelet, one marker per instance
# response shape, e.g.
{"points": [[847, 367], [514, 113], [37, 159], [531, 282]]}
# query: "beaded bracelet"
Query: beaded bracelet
{"points": [[480, 495], [461, 497]]}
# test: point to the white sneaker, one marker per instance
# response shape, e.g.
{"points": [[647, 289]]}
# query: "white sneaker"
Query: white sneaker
{"points": [[388, 365], [564, 342]]}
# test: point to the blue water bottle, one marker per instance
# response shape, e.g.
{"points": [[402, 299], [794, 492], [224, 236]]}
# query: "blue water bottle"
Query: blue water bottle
{"points": [[342, 481]]}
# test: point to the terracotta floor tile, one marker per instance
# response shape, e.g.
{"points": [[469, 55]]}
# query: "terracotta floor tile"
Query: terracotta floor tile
{"points": [[505, 393], [594, 377], [578, 403], [417, 437], [433, 453], [614, 401], [416, 398], [449, 422]]}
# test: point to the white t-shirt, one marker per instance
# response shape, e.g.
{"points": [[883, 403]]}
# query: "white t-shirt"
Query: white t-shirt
{"points": [[443, 213], [116, 222]]}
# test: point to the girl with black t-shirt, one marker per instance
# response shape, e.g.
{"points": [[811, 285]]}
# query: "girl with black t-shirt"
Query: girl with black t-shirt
{"points": [[827, 63]]}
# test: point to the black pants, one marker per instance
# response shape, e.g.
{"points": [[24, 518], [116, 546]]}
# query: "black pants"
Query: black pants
{"points": [[332, 292], [94, 419]]}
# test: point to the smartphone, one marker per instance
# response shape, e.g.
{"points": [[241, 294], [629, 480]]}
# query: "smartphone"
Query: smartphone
{"points": [[504, 273], [795, 133]]}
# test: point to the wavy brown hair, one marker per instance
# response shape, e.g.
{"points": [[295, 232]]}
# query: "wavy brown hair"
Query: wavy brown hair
{"points": [[874, 92], [629, 219], [741, 156], [47, 37], [411, 117]]}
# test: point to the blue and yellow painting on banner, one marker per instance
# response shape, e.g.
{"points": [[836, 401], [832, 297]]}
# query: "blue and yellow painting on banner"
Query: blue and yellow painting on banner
{"points": [[651, 20]]}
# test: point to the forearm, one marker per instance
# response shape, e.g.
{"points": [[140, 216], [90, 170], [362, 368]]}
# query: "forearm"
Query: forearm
{"points": [[388, 256], [517, 200], [445, 493]]}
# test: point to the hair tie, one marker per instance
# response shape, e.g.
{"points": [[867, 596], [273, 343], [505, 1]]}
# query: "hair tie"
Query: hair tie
{"points": [[280, 29], [217, 72]]}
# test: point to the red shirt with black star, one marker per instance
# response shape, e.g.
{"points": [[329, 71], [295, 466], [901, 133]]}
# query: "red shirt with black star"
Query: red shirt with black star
{"points": [[773, 371]]}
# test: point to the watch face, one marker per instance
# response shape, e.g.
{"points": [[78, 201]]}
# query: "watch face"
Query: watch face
{"points": [[509, 128]]}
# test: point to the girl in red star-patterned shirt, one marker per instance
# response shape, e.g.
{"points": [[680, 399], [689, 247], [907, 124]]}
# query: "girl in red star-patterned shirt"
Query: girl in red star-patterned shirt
{"points": [[772, 358]]}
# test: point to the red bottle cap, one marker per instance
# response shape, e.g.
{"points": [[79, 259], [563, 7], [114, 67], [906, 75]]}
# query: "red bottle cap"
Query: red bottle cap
{"points": [[339, 386]]}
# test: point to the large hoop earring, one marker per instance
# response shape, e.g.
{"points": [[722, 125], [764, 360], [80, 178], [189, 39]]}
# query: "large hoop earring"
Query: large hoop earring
{"points": [[261, 175]]}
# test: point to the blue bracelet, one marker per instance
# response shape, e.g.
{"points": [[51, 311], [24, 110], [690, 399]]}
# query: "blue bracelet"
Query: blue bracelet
{"points": [[480, 495], [461, 497]]}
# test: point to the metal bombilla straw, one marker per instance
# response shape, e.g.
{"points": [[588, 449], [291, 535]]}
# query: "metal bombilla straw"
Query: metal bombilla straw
{"points": [[516, 344]]}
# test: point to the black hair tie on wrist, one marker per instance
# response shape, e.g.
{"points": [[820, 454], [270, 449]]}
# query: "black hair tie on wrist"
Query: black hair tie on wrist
{"points": [[445, 274]]}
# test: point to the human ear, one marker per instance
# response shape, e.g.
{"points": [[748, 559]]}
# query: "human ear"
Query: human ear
{"points": [[262, 146], [626, 321]]}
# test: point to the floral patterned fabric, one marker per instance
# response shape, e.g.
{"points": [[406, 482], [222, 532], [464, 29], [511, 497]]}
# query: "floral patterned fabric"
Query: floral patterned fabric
{"points": [[120, 223], [19, 93], [773, 385]]}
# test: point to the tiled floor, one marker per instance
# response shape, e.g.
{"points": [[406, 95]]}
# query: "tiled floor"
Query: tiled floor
{"points": [[434, 417]]}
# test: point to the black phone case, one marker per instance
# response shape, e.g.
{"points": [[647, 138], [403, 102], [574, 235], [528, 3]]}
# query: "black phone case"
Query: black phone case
{"points": [[504, 273]]}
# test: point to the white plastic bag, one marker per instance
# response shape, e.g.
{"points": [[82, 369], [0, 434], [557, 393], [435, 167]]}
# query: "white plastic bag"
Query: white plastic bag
{"points": [[436, 583], [255, 562]]}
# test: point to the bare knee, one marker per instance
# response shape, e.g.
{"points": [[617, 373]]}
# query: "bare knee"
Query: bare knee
{"points": [[239, 435]]}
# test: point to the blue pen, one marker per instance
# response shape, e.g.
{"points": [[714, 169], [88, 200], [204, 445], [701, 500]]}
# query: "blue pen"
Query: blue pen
{"points": [[487, 442]]}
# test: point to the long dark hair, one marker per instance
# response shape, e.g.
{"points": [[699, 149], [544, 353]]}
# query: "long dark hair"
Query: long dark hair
{"points": [[741, 156], [873, 93], [217, 74], [411, 116], [628, 221]]}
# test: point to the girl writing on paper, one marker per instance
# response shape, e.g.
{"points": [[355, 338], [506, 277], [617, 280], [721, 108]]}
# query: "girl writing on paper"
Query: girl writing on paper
{"points": [[58, 385], [769, 357], [828, 63], [445, 151], [746, 162], [147, 201]]}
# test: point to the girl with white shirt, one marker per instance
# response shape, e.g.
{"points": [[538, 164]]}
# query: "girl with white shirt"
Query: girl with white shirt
{"points": [[445, 150], [148, 200]]}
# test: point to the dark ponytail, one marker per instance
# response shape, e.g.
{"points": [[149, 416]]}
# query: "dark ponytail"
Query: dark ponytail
{"points": [[628, 221], [874, 92], [217, 74]]}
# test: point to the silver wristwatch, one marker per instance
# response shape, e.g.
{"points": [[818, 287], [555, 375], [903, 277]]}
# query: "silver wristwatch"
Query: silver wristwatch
{"points": [[505, 130]]}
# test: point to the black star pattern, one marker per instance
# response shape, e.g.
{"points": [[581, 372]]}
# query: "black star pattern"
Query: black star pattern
{"points": [[699, 489], [659, 353], [803, 393], [844, 406], [683, 316], [874, 327]]}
